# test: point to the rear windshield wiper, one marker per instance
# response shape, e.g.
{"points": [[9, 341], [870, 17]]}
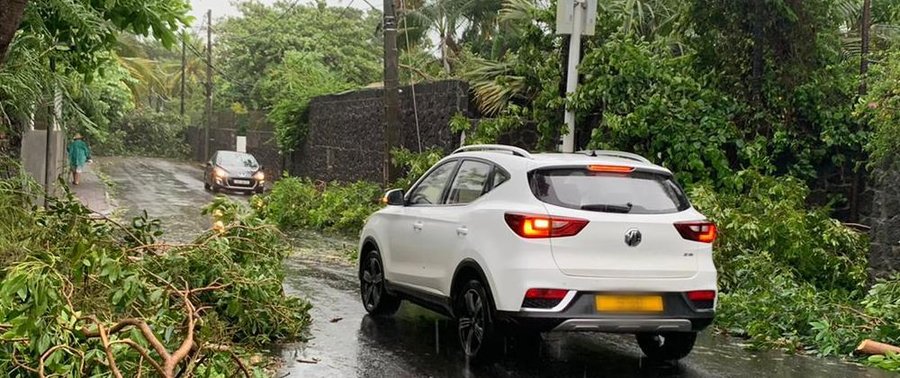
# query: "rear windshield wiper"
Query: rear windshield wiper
{"points": [[608, 208]]}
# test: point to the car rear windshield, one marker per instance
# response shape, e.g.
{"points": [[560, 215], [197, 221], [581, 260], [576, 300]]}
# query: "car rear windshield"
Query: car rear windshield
{"points": [[236, 160], [634, 193]]}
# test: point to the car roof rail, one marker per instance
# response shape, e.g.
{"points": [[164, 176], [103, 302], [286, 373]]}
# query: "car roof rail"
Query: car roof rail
{"points": [[494, 147], [618, 154]]}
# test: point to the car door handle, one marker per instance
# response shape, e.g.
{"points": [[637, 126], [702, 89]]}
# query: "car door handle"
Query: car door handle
{"points": [[462, 231], [417, 226]]}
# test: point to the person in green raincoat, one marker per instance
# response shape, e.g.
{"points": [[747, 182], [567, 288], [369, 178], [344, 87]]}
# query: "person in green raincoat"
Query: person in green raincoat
{"points": [[79, 155]]}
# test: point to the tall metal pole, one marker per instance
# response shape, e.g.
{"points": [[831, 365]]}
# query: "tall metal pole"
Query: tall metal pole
{"points": [[209, 84], [391, 95], [48, 156], [183, 64], [568, 141]]}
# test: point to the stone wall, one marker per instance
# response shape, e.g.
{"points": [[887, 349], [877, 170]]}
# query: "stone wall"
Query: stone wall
{"points": [[884, 256], [346, 135]]}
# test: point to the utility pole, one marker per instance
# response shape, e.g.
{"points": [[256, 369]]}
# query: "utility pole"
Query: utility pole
{"points": [[183, 64], [48, 155], [568, 141], [209, 84], [391, 95]]}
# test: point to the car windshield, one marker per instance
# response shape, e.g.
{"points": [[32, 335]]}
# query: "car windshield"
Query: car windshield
{"points": [[635, 193], [228, 159]]}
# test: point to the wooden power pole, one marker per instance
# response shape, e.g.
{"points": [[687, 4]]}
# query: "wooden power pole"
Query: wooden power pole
{"points": [[391, 92], [209, 84], [183, 64]]}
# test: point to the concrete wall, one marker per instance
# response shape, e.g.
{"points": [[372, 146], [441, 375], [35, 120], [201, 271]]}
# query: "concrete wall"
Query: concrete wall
{"points": [[33, 155], [346, 135], [884, 256]]}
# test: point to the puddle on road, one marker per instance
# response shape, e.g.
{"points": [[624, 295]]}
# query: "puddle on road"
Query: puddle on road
{"points": [[419, 343]]}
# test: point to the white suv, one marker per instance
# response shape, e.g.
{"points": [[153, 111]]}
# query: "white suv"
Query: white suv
{"points": [[501, 239]]}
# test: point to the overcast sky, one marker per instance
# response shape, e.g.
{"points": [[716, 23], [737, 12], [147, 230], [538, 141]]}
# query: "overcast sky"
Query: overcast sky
{"points": [[225, 8]]}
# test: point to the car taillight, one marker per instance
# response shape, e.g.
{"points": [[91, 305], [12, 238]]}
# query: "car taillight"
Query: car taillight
{"points": [[610, 168], [542, 226], [704, 232], [702, 298], [543, 298]]}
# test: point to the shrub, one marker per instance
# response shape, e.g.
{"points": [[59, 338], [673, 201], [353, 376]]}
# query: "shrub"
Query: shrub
{"points": [[297, 203], [765, 218]]}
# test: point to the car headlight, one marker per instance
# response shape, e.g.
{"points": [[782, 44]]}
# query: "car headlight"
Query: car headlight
{"points": [[220, 173], [259, 176]]}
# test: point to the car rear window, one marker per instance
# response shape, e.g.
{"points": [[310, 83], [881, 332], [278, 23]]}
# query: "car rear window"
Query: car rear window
{"points": [[634, 193]]}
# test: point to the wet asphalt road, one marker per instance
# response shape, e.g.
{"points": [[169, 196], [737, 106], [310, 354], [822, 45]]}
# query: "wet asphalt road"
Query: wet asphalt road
{"points": [[344, 342]]}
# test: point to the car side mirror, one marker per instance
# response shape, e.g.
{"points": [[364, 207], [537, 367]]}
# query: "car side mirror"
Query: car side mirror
{"points": [[394, 198]]}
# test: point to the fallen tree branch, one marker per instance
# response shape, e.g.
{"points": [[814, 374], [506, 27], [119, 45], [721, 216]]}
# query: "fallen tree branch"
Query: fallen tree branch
{"points": [[872, 347], [145, 355], [170, 361], [49, 352]]}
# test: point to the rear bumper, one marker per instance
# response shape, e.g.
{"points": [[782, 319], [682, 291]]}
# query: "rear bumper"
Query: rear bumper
{"points": [[679, 315]]}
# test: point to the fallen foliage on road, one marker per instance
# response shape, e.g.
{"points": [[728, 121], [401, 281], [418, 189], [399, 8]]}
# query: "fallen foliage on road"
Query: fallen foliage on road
{"points": [[83, 297], [791, 277]]}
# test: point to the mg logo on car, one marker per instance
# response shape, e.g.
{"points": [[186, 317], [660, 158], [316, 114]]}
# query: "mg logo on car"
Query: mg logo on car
{"points": [[633, 237]]}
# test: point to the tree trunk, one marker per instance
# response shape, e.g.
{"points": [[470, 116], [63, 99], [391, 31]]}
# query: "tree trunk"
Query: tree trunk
{"points": [[864, 51], [11, 12], [872, 347], [445, 55]]}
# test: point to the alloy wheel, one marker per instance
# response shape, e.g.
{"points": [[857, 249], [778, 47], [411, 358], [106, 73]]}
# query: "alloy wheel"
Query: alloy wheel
{"points": [[372, 284], [472, 322]]}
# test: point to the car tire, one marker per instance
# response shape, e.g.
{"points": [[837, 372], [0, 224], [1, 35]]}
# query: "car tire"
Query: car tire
{"points": [[474, 315], [666, 346], [375, 298]]}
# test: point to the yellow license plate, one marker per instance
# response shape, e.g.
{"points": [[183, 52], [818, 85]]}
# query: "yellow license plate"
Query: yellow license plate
{"points": [[629, 303]]}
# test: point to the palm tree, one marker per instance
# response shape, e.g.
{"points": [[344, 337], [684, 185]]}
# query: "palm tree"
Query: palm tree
{"points": [[451, 22], [157, 71]]}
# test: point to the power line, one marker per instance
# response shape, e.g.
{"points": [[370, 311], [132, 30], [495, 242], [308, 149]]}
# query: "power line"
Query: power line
{"points": [[412, 82]]}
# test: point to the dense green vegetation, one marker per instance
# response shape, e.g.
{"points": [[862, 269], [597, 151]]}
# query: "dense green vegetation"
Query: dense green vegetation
{"points": [[80, 37], [276, 58], [145, 133], [72, 281], [792, 277]]}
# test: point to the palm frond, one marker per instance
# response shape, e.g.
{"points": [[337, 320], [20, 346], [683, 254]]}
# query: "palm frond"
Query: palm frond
{"points": [[493, 84]]}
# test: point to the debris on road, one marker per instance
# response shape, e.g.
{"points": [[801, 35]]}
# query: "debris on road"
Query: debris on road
{"points": [[872, 347]]}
